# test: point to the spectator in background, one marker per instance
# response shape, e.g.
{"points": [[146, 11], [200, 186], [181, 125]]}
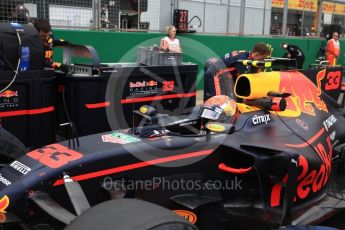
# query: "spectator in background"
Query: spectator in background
{"points": [[44, 29], [170, 42], [105, 17], [333, 49], [294, 52], [21, 13]]}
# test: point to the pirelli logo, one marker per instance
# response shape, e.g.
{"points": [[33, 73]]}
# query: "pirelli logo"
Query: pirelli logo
{"points": [[20, 167]]}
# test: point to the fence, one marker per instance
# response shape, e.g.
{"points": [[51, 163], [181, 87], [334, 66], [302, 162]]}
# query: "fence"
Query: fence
{"points": [[249, 17], [77, 14]]}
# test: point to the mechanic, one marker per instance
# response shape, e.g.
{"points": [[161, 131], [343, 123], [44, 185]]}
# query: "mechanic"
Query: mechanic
{"points": [[295, 52], [333, 49], [214, 68], [170, 42], [44, 29]]}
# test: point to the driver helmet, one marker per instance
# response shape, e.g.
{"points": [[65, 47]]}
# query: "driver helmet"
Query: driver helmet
{"points": [[220, 108]]}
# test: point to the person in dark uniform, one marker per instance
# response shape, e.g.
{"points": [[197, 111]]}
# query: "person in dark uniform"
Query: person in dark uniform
{"points": [[220, 73], [295, 52], [44, 29]]}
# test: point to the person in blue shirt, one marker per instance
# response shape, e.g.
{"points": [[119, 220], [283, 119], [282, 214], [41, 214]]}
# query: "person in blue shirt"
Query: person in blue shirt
{"points": [[220, 74]]}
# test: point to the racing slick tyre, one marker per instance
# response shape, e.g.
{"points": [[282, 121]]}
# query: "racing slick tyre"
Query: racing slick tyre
{"points": [[129, 214], [10, 147]]}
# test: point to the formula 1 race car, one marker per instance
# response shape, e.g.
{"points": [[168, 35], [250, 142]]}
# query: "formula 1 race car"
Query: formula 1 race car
{"points": [[262, 159]]}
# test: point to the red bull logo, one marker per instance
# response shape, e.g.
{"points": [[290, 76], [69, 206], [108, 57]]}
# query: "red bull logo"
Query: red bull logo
{"points": [[142, 84], [4, 203], [305, 94], [137, 84], [151, 83], [9, 93], [309, 180]]}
